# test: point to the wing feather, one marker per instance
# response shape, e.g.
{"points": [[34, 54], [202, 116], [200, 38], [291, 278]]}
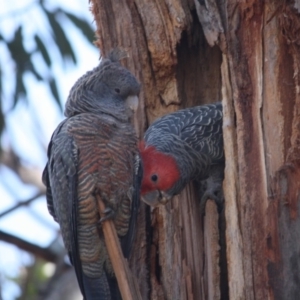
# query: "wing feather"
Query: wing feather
{"points": [[60, 177], [200, 127], [128, 240]]}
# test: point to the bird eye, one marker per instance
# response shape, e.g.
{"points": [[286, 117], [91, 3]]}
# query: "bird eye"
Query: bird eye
{"points": [[154, 177], [117, 90]]}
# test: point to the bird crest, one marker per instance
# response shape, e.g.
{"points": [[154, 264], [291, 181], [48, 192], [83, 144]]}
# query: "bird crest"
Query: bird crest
{"points": [[117, 54]]}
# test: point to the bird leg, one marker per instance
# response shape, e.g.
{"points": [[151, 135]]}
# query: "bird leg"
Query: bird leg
{"points": [[108, 213], [212, 188]]}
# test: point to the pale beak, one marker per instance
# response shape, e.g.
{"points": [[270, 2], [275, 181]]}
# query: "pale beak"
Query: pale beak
{"points": [[156, 198], [151, 198], [164, 198], [132, 102]]}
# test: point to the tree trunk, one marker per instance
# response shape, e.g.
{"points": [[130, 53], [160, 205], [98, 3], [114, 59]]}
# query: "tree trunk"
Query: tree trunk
{"points": [[247, 54]]}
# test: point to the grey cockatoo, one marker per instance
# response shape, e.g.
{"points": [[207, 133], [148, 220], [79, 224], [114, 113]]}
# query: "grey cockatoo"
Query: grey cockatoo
{"points": [[94, 151]]}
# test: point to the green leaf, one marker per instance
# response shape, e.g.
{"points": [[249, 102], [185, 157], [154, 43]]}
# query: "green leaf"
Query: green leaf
{"points": [[83, 26], [60, 37], [22, 62], [2, 120], [54, 91], [1, 96], [35, 72], [41, 47], [2, 125], [18, 52], [20, 88]]}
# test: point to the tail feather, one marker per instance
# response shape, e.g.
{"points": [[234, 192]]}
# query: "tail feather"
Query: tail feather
{"points": [[114, 288], [98, 288]]}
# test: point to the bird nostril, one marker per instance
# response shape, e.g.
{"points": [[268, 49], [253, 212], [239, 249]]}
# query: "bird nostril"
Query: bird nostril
{"points": [[154, 177]]}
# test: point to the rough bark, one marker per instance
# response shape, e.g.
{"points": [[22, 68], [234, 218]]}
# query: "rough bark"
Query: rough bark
{"points": [[263, 61], [247, 54]]}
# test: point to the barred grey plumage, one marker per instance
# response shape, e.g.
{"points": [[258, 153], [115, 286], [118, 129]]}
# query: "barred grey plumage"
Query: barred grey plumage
{"points": [[183, 146], [95, 151]]}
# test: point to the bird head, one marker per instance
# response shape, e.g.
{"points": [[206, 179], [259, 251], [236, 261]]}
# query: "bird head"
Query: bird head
{"points": [[160, 174], [109, 88], [119, 81]]}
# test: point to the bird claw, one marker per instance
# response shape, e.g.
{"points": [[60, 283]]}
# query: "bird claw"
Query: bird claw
{"points": [[212, 189], [108, 213], [213, 194]]}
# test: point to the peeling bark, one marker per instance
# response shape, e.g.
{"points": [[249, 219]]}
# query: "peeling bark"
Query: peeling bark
{"points": [[212, 248], [263, 60]]}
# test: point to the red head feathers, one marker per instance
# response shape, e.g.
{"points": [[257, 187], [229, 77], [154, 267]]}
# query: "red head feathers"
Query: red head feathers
{"points": [[160, 171]]}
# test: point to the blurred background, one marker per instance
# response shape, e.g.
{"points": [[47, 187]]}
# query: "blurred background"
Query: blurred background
{"points": [[45, 46]]}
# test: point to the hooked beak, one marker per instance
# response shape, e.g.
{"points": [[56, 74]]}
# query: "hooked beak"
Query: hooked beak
{"points": [[156, 198], [132, 102], [164, 197]]}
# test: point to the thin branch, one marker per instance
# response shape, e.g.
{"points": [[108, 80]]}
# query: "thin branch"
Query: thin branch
{"points": [[28, 175], [21, 203], [127, 283], [41, 252]]}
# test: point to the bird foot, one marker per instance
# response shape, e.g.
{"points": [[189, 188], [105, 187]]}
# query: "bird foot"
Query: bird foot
{"points": [[211, 188], [107, 214], [215, 194]]}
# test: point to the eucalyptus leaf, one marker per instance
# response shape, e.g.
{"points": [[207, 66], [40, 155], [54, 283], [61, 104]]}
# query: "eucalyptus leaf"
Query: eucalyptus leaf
{"points": [[2, 120], [42, 49], [83, 26], [20, 88], [18, 52], [35, 72], [60, 37], [54, 91]]}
